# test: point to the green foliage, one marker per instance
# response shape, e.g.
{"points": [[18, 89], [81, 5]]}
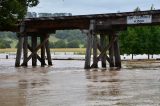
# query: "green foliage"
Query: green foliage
{"points": [[70, 38], [140, 40], [60, 44], [7, 39], [12, 10], [5, 44], [73, 44], [128, 41], [70, 35]]}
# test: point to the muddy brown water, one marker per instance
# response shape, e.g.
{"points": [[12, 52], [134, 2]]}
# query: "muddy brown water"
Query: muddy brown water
{"points": [[68, 84]]}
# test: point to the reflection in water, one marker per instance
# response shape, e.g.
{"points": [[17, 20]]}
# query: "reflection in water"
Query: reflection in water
{"points": [[67, 84], [103, 85], [23, 84], [16, 88]]}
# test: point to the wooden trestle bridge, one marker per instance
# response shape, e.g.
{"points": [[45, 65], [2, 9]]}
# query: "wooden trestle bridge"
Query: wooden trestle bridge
{"points": [[106, 26]]}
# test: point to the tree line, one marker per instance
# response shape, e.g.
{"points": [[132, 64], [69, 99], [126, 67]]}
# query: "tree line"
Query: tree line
{"points": [[61, 39], [69, 39], [140, 40]]}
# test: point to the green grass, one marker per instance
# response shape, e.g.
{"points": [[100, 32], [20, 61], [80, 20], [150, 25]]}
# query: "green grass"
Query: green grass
{"points": [[69, 50], [77, 50], [8, 50]]}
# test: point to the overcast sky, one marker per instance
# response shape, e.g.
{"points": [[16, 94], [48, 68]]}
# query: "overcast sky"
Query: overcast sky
{"points": [[79, 7]]}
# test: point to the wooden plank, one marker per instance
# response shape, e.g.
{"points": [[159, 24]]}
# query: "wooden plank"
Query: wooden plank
{"points": [[103, 43], [100, 49], [42, 52], [38, 57], [34, 56], [108, 59], [88, 52], [105, 49], [111, 52], [89, 45], [19, 51], [95, 51], [48, 51], [57, 25], [25, 51], [117, 53], [20, 44], [37, 48]]}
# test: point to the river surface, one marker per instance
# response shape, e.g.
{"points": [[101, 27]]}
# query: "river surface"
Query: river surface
{"points": [[66, 83]]}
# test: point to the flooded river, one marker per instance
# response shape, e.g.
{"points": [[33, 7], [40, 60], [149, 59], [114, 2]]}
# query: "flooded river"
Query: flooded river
{"points": [[68, 84]]}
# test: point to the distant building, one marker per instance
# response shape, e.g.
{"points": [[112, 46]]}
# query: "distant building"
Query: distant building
{"points": [[44, 14], [54, 14], [31, 15], [34, 14], [61, 14]]}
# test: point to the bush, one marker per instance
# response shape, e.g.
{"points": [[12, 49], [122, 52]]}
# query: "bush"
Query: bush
{"points": [[73, 44], [5, 44], [60, 44]]}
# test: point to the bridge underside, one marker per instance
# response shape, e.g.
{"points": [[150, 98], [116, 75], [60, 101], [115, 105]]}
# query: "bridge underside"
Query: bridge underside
{"points": [[106, 26], [107, 42], [25, 47]]}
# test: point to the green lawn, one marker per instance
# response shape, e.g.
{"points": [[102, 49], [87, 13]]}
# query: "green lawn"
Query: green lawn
{"points": [[78, 50]]}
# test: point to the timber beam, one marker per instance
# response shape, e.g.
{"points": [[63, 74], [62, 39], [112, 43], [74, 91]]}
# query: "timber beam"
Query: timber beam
{"points": [[23, 45], [103, 51], [34, 52]]}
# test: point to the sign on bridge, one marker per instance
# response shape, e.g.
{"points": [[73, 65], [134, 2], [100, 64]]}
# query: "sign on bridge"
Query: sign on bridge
{"points": [[139, 19]]}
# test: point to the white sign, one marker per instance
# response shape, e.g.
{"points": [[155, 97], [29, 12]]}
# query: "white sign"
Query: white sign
{"points": [[139, 19]]}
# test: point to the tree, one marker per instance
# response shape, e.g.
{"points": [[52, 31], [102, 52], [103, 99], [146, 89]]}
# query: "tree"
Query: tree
{"points": [[5, 44], [152, 7], [73, 44], [60, 44], [140, 39], [13, 10], [137, 9], [130, 42], [71, 35]]}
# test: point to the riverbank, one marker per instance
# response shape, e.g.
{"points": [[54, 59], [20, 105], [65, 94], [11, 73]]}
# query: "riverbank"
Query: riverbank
{"points": [[141, 63]]}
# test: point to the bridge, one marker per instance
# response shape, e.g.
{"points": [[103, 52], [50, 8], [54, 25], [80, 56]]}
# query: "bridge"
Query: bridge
{"points": [[106, 26]]}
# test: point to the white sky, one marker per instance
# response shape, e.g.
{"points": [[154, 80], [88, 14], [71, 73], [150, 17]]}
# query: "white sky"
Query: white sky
{"points": [[79, 7]]}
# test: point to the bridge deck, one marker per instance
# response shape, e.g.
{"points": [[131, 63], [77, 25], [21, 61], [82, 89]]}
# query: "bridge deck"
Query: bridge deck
{"points": [[98, 23], [103, 21]]}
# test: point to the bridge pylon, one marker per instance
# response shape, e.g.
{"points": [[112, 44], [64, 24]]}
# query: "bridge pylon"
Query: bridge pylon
{"points": [[24, 47], [106, 42]]}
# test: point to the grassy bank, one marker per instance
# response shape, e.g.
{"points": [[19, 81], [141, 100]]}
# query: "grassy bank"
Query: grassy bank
{"points": [[68, 50], [75, 50], [8, 50]]}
